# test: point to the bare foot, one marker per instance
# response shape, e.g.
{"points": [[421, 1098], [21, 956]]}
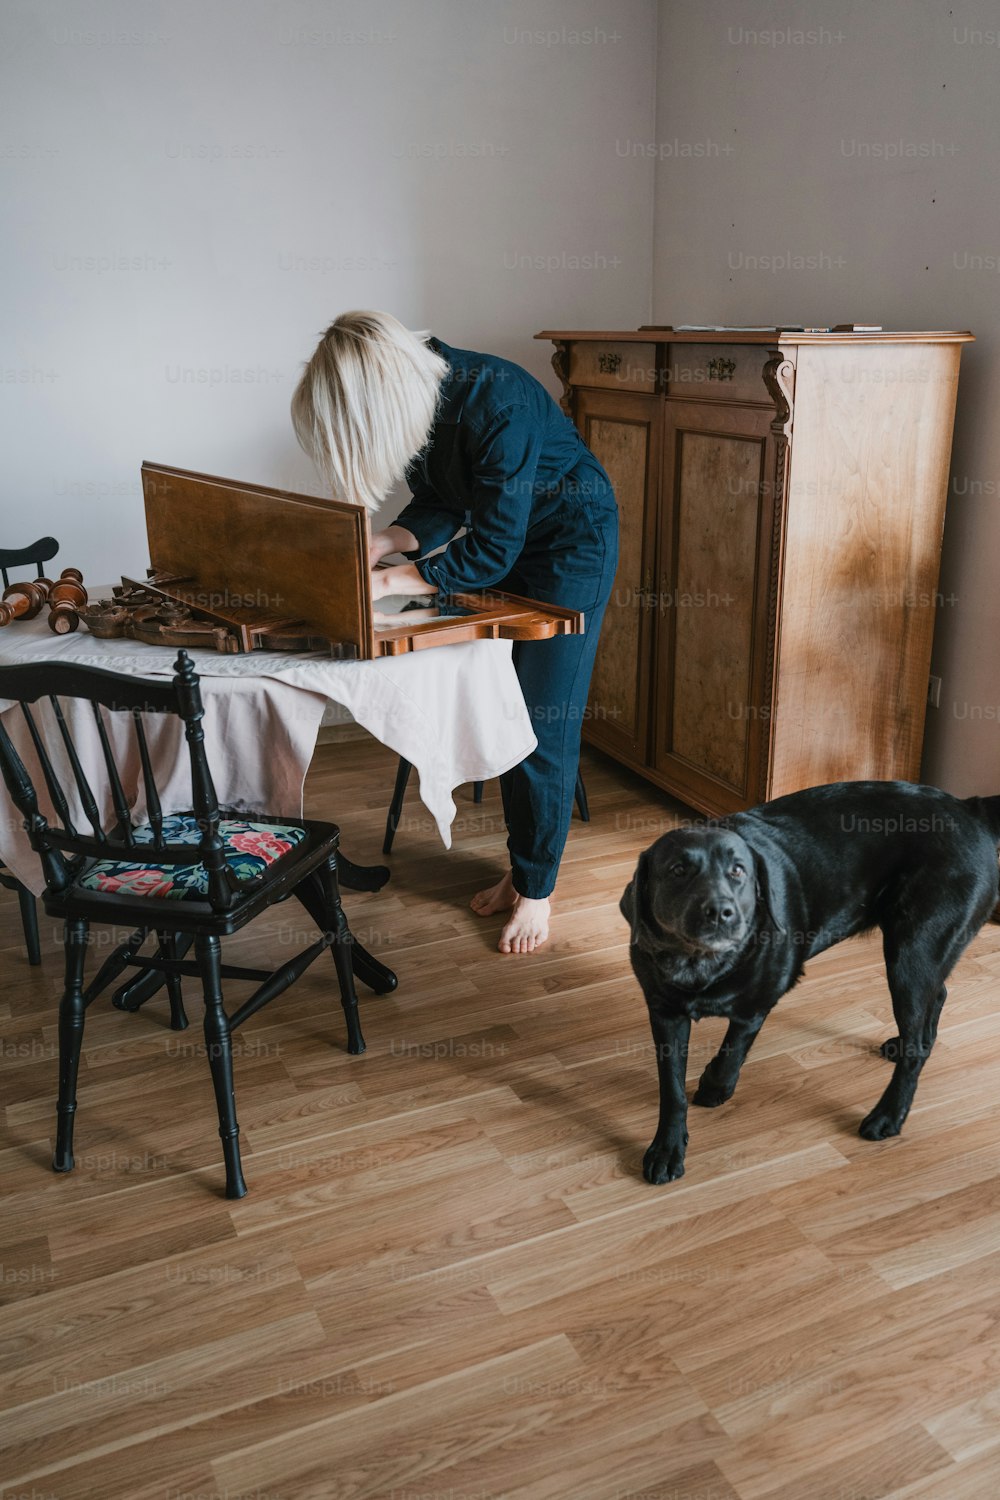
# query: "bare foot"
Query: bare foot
{"points": [[499, 897], [527, 927]]}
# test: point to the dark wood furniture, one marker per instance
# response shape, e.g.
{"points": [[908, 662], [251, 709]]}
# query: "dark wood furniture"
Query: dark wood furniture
{"points": [[42, 551], [782, 499], [93, 877], [240, 567], [29, 914]]}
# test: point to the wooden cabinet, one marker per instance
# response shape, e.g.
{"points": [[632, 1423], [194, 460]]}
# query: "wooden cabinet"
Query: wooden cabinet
{"points": [[782, 502]]}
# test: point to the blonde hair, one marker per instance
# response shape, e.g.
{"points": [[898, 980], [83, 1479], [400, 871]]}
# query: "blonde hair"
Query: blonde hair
{"points": [[366, 402]]}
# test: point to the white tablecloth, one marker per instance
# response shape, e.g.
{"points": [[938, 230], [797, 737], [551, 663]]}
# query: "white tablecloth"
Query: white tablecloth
{"points": [[455, 712]]}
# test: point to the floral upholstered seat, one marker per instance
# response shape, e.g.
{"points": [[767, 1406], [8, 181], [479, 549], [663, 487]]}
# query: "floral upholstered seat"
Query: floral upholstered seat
{"points": [[250, 848]]}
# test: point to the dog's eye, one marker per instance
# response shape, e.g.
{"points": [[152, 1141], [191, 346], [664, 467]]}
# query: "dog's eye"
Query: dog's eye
{"points": [[738, 871], [678, 869]]}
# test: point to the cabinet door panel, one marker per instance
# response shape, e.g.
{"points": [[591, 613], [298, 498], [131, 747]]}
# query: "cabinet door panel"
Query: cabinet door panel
{"points": [[712, 719], [712, 594], [621, 430]]}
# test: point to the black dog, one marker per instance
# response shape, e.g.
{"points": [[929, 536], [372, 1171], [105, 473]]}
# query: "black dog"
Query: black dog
{"points": [[724, 917]]}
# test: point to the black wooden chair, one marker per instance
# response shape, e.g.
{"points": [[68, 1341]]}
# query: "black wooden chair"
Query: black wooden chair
{"points": [[399, 792], [196, 875], [42, 551]]}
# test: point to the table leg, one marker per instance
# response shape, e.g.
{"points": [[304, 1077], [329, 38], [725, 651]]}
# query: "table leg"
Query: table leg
{"points": [[354, 877], [368, 969], [135, 994]]}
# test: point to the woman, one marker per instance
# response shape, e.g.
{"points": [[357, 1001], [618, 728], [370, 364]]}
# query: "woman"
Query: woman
{"points": [[481, 445]]}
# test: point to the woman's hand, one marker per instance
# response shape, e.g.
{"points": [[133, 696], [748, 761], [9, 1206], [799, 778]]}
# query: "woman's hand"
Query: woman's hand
{"points": [[401, 579], [393, 539]]}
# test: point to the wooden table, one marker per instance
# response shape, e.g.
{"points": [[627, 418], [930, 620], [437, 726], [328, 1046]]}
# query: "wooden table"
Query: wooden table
{"points": [[457, 714]]}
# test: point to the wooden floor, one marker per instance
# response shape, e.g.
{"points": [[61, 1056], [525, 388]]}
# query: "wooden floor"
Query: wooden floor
{"points": [[448, 1281]]}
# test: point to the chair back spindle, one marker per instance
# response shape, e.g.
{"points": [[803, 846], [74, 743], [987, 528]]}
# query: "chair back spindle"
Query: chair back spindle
{"points": [[221, 884], [87, 801], [51, 781], [117, 790], [154, 812]]}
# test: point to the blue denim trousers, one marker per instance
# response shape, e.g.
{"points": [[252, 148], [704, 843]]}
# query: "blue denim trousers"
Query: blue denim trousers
{"points": [[570, 559]]}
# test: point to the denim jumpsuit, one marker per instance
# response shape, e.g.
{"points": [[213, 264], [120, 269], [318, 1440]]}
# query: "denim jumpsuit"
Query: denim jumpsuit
{"points": [[541, 521]]}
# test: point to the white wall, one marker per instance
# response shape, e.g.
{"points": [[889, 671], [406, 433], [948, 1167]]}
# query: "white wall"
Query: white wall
{"points": [[868, 148], [193, 190]]}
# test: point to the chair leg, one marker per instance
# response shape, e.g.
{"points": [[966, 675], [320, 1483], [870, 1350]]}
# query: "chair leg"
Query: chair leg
{"points": [[477, 792], [366, 968], [218, 1040], [178, 1015], [72, 1011], [116, 963], [336, 922], [29, 921], [581, 797], [372, 973], [396, 805]]}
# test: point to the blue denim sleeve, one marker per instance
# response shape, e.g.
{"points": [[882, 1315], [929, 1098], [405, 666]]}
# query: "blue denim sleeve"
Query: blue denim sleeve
{"points": [[430, 522], [504, 461]]}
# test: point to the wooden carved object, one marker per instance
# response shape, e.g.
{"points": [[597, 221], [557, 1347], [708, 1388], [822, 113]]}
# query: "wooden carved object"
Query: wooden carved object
{"points": [[23, 601], [239, 567], [66, 598], [147, 612], [560, 363]]}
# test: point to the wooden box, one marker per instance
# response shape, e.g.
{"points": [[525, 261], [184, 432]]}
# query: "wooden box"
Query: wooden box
{"points": [[261, 568]]}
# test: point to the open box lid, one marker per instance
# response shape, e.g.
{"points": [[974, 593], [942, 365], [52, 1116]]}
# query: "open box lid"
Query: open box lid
{"points": [[251, 556], [272, 566]]}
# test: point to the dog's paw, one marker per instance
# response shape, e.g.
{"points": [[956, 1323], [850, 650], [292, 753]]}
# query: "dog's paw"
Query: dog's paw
{"points": [[710, 1095], [878, 1126], [892, 1049], [664, 1162]]}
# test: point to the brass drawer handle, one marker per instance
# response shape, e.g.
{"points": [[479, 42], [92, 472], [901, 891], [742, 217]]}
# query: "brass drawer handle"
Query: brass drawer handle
{"points": [[721, 369]]}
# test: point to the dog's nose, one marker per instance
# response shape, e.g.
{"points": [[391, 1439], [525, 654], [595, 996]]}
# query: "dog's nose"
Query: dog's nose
{"points": [[722, 912]]}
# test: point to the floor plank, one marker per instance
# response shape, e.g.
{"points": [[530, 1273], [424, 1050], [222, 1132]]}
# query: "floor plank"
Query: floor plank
{"points": [[449, 1279]]}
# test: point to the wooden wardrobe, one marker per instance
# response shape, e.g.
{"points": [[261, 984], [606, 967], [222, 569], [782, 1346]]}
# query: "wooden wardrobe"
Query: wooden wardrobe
{"points": [[782, 499]]}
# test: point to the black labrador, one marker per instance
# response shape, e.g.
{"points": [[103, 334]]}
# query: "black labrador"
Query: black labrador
{"points": [[725, 915]]}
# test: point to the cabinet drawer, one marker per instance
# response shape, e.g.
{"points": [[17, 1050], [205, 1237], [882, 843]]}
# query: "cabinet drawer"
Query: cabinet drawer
{"points": [[616, 367], [717, 372]]}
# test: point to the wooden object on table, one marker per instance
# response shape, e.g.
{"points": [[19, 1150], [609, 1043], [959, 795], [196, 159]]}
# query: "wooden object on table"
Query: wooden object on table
{"points": [[66, 598], [782, 499], [154, 611], [240, 567], [146, 612], [23, 601]]}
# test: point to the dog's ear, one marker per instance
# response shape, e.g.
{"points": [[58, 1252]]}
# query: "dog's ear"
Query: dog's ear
{"points": [[765, 893], [634, 903]]}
